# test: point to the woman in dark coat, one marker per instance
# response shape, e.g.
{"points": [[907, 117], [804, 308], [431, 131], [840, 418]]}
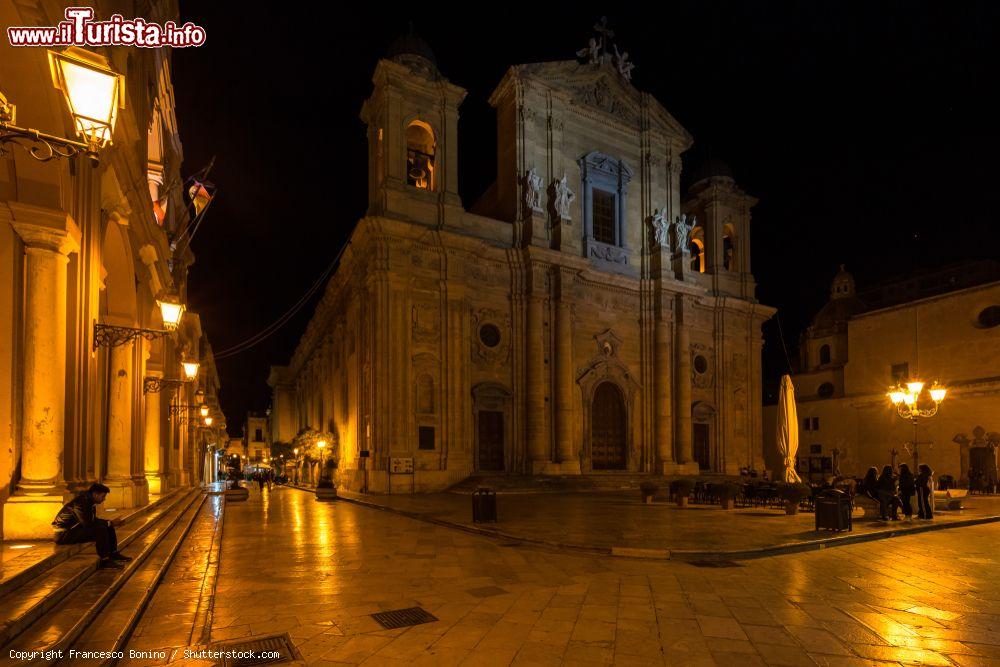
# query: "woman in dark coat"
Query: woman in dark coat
{"points": [[907, 487], [869, 485], [925, 492], [887, 499]]}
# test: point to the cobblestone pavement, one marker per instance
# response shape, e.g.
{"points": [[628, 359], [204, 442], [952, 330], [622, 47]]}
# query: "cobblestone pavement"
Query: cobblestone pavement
{"points": [[317, 570], [612, 519]]}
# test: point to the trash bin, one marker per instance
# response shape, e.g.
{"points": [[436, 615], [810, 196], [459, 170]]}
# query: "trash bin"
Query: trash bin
{"points": [[484, 505], [833, 510]]}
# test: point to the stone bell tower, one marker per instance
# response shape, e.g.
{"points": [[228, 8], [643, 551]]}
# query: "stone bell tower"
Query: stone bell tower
{"points": [[412, 119]]}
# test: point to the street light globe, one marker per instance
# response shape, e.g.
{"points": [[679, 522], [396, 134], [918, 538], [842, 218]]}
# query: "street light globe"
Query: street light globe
{"points": [[321, 444], [296, 450], [171, 313], [94, 92], [915, 387], [208, 421], [897, 396], [938, 393], [204, 410], [190, 369]]}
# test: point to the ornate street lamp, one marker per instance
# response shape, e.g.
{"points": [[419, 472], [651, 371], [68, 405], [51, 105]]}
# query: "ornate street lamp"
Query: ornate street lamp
{"points": [[152, 384], [208, 421], [94, 93], [108, 335], [907, 399], [190, 370], [911, 405]]}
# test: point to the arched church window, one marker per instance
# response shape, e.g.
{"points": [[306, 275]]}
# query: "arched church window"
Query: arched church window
{"points": [[420, 147], [824, 354]]}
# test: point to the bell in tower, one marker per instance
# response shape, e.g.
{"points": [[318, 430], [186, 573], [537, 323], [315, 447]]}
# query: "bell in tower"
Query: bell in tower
{"points": [[412, 119]]}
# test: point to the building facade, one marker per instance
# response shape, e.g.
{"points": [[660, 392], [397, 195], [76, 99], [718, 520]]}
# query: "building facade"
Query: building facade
{"points": [[559, 326], [938, 326], [83, 246]]}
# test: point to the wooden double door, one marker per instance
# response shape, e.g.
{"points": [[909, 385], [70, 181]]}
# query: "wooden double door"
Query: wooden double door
{"points": [[608, 434]]}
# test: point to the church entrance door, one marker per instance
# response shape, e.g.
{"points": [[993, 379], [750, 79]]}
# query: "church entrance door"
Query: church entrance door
{"points": [[701, 453], [608, 441], [491, 440]]}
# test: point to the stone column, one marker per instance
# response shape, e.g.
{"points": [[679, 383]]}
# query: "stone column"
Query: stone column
{"points": [[120, 387], [39, 494], [538, 442], [152, 431], [569, 461], [682, 414], [664, 435]]}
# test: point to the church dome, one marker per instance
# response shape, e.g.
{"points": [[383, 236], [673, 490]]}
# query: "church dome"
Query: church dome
{"points": [[843, 304], [711, 168], [411, 49]]}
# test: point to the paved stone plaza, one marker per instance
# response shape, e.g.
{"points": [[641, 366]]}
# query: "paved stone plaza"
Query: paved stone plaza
{"points": [[601, 522], [317, 570]]}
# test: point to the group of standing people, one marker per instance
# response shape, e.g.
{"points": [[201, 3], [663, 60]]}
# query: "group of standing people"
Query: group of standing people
{"points": [[893, 492]]}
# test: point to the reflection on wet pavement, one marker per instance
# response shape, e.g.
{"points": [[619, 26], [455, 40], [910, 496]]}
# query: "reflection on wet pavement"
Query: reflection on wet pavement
{"points": [[317, 570]]}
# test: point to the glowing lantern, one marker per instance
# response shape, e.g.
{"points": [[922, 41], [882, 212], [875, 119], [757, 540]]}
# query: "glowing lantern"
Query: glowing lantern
{"points": [[93, 91]]}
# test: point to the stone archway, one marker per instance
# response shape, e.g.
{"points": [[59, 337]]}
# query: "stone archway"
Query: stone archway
{"points": [[607, 373]]}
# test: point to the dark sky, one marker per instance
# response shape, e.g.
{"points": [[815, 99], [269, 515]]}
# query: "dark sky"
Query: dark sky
{"points": [[867, 130]]}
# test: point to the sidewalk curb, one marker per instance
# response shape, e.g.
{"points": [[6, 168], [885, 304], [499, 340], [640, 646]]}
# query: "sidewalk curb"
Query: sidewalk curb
{"points": [[686, 555]]}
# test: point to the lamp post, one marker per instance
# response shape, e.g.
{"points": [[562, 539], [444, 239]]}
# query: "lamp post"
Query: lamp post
{"points": [[94, 93], [296, 451], [322, 447], [914, 401]]}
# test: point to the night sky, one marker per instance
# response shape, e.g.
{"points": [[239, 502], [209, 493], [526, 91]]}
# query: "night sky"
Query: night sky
{"points": [[867, 130]]}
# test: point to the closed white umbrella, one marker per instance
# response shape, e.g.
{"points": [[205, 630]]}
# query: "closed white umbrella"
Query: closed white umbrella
{"points": [[788, 430]]}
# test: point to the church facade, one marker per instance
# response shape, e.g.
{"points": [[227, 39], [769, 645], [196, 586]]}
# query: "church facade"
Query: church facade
{"points": [[581, 317]]}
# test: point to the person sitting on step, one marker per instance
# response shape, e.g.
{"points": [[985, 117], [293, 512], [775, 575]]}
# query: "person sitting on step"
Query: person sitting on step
{"points": [[77, 522]]}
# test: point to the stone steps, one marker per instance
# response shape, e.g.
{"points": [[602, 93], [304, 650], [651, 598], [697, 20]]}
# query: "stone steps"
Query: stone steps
{"points": [[107, 627], [38, 613]]}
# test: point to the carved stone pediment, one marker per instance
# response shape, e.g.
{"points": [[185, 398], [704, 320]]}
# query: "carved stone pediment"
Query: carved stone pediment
{"points": [[607, 98]]}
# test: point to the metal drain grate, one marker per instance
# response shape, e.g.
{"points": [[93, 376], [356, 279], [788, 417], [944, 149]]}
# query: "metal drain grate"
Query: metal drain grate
{"points": [[252, 651], [403, 618], [715, 563]]}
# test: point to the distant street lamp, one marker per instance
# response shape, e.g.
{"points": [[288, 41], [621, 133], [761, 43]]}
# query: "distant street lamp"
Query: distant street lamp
{"points": [[208, 421], [94, 93], [152, 384], [171, 313], [322, 446]]}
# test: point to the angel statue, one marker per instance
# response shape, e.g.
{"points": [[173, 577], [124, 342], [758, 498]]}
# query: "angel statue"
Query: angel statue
{"points": [[592, 52], [624, 65], [682, 232], [661, 229]]}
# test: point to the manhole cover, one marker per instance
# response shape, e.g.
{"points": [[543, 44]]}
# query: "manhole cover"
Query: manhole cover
{"points": [[486, 591], [403, 618], [715, 563], [254, 651]]}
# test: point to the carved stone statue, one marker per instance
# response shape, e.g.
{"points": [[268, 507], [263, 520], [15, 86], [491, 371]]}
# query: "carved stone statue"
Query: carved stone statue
{"points": [[623, 64], [533, 192], [592, 52], [682, 233], [661, 229], [564, 197]]}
